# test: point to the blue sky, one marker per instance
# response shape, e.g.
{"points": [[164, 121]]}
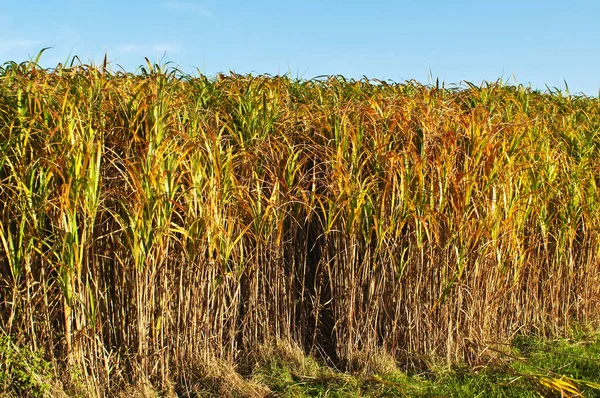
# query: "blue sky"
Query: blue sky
{"points": [[535, 41]]}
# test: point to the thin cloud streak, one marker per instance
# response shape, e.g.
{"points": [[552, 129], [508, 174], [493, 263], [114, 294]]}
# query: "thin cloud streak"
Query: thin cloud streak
{"points": [[165, 48], [147, 49], [128, 48], [17, 44], [187, 6]]}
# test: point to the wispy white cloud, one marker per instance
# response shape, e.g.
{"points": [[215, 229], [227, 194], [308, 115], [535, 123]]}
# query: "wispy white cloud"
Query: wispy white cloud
{"points": [[17, 44], [128, 48], [165, 47], [147, 49], [187, 6]]}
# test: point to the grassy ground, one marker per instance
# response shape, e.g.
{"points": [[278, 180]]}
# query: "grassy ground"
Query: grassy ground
{"points": [[530, 367]]}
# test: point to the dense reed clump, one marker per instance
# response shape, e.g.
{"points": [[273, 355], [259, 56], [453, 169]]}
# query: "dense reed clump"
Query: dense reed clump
{"points": [[155, 223]]}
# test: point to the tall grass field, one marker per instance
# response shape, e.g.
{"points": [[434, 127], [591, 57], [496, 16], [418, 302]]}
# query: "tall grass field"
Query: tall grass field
{"points": [[161, 228]]}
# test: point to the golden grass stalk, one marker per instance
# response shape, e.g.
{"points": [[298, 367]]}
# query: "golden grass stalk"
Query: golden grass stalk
{"points": [[152, 221]]}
